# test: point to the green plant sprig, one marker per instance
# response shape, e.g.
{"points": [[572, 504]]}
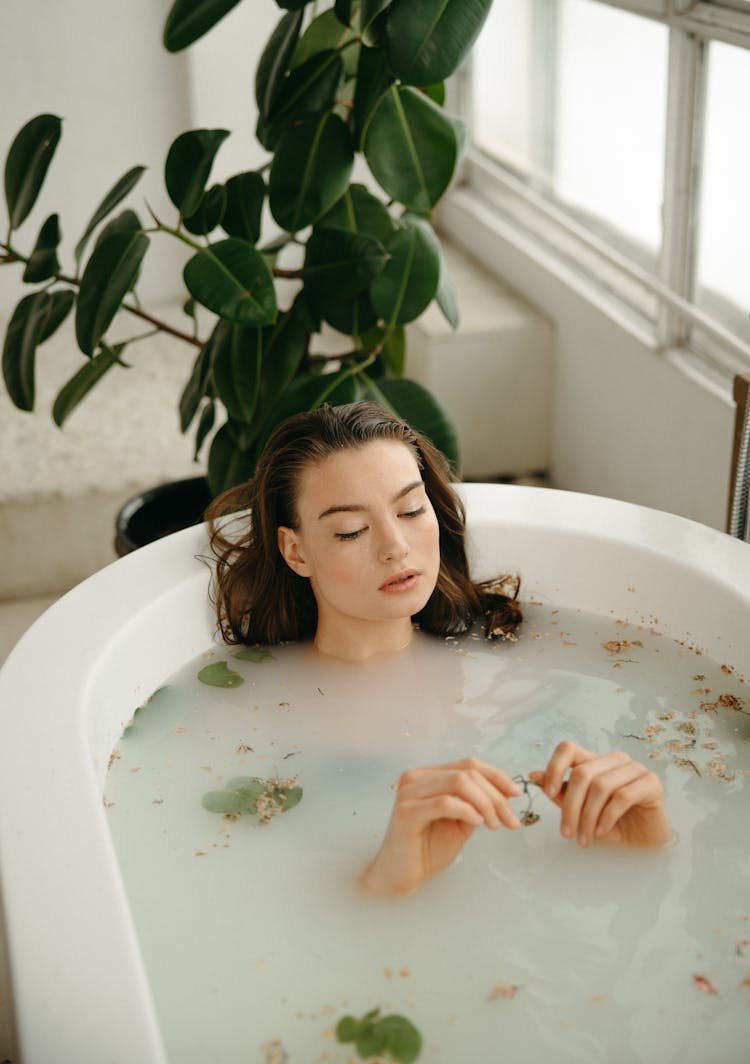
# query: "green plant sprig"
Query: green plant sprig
{"points": [[374, 1035]]}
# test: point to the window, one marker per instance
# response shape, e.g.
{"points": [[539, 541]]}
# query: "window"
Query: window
{"points": [[613, 132]]}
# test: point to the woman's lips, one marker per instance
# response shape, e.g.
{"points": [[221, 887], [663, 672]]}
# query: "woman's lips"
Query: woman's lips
{"points": [[404, 581]]}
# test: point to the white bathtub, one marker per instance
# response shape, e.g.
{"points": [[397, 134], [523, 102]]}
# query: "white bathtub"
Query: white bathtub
{"points": [[72, 683]]}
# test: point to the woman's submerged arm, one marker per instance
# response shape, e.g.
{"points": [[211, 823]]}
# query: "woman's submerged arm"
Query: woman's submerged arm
{"points": [[436, 811], [606, 798]]}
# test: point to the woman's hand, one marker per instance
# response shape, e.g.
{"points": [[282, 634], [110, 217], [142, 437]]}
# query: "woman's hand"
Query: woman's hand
{"points": [[436, 811], [607, 798]]}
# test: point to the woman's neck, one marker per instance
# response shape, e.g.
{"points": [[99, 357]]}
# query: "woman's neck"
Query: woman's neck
{"points": [[357, 642]]}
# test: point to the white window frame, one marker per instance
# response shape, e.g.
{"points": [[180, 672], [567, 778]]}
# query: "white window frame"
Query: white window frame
{"points": [[655, 305]]}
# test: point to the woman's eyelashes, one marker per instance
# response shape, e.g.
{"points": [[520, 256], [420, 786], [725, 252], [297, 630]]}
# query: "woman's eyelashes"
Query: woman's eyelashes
{"points": [[358, 532]]}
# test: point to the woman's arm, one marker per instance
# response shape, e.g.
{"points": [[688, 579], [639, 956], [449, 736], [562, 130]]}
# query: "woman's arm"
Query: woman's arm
{"points": [[606, 798], [436, 811]]}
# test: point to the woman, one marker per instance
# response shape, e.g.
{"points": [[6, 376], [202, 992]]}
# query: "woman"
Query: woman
{"points": [[356, 535]]}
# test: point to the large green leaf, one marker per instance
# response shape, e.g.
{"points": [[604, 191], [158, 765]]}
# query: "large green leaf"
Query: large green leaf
{"points": [[242, 214], [340, 263], [310, 88], [285, 347], [427, 39], [232, 279], [446, 293], [236, 369], [116, 194], [411, 147], [409, 282], [310, 171], [23, 335], [361, 212], [373, 78], [350, 316], [190, 19], [26, 165], [43, 262], [81, 383], [229, 463], [419, 407], [275, 60], [188, 166], [107, 278], [307, 392]]}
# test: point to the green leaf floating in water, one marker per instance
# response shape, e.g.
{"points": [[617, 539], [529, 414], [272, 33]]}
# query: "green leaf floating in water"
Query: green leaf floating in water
{"points": [[254, 796], [220, 675], [253, 654], [394, 1035]]}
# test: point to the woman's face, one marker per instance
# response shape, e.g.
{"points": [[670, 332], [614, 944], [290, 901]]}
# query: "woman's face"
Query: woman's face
{"points": [[368, 540]]}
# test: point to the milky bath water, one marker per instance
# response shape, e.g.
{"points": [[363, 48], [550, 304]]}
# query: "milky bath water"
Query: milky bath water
{"points": [[256, 940]]}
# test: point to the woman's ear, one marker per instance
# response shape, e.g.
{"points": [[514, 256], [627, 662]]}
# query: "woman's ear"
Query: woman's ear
{"points": [[290, 548]]}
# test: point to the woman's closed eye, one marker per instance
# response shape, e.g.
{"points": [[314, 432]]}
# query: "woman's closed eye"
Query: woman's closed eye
{"points": [[415, 513], [350, 535]]}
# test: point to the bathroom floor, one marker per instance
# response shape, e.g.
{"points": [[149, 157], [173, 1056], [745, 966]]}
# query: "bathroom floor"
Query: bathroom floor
{"points": [[16, 615]]}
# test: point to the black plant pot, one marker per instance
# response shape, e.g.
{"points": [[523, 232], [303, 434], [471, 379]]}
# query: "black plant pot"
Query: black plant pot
{"points": [[160, 511]]}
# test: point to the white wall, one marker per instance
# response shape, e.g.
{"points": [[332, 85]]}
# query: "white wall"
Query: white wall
{"points": [[627, 422]]}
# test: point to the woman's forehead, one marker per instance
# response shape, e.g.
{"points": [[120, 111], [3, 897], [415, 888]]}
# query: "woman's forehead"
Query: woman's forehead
{"points": [[375, 470]]}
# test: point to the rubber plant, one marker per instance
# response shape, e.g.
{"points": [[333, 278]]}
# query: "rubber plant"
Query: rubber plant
{"points": [[360, 77]]}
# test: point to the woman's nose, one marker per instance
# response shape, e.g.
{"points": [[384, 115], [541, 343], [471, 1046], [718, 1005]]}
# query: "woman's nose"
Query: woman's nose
{"points": [[393, 544]]}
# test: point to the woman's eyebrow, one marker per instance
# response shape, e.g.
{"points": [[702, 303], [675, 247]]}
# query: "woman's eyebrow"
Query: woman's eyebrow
{"points": [[348, 508]]}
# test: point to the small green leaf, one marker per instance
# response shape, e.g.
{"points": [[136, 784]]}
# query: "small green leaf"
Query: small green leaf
{"points": [[107, 278], [23, 335], [403, 1040], [188, 166], [27, 162], [81, 383], [43, 262], [232, 279], [197, 384], [371, 1041], [205, 424], [228, 803], [253, 654], [310, 170], [274, 62], [244, 206], [190, 19], [293, 797], [116, 194], [60, 305], [220, 675], [427, 41], [210, 212], [348, 1029]]}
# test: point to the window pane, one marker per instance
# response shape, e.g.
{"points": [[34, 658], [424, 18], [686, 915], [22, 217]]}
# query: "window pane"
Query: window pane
{"points": [[572, 94], [723, 260]]}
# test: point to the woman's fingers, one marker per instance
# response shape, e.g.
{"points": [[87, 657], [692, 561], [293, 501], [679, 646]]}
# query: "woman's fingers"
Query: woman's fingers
{"points": [[587, 796], [601, 793], [475, 783]]}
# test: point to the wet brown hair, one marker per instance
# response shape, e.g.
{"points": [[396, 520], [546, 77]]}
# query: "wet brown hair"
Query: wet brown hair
{"points": [[259, 599]]}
